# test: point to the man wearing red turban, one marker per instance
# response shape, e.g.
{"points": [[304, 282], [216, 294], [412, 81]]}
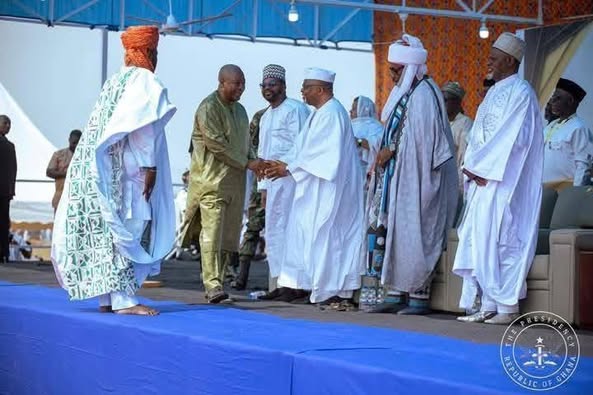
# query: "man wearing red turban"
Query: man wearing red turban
{"points": [[116, 219]]}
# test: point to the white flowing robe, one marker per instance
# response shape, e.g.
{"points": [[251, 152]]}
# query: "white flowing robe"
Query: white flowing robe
{"points": [[278, 130], [423, 193], [137, 123], [498, 233], [568, 151], [371, 130], [366, 126], [324, 226]]}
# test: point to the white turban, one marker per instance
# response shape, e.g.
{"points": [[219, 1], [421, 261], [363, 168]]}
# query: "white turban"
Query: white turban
{"points": [[413, 57], [313, 73]]}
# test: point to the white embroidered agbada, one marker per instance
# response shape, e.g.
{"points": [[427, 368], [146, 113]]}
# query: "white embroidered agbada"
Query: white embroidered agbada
{"points": [[100, 244], [279, 128], [498, 233], [323, 232], [366, 126], [568, 151]]}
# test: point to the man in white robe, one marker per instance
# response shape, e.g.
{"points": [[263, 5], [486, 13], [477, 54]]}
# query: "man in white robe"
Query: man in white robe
{"points": [[367, 130], [460, 123], [278, 129], [568, 141], [116, 218], [413, 193], [323, 232], [503, 169]]}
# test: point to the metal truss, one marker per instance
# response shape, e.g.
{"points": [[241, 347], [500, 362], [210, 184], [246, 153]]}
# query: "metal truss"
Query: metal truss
{"points": [[467, 9]]}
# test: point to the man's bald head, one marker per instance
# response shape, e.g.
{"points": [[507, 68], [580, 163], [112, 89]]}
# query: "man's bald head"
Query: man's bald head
{"points": [[228, 71], [231, 83]]}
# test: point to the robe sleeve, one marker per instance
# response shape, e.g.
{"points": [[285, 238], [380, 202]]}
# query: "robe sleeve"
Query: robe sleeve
{"points": [[374, 139], [209, 123], [295, 122], [424, 113], [582, 146], [490, 159], [321, 152], [263, 152], [142, 145]]}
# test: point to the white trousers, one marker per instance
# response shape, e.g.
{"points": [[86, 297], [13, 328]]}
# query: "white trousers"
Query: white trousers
{"points": [[489, 304]]}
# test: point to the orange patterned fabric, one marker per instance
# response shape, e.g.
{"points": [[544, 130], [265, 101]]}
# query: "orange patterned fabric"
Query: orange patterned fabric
{"points": [[455, 52], [137, 41]]}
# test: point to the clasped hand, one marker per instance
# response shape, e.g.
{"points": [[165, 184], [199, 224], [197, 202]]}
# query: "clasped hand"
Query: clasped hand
{"points": [[270, 169]]}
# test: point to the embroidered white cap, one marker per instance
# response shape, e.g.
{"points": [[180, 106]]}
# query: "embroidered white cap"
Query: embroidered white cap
{"points": [[510, 44], [314, 73]]}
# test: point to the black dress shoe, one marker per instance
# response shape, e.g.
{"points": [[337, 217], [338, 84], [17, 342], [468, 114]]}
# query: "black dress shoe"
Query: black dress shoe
{"points": [[333, 299], [304, 300], [291, 294]]}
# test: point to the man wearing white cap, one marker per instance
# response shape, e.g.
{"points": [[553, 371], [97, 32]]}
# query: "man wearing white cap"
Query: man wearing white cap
{"points": [[413, 193], [279, 127], [503, 169], [460, 123], [325, 222]]}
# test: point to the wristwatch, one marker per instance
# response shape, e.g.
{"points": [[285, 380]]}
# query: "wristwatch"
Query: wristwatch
{"points": [[359, 142], [392, 146]]}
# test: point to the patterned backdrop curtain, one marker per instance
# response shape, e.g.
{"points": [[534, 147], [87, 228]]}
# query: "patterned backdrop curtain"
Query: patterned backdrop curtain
{"points": [[455, 52]]}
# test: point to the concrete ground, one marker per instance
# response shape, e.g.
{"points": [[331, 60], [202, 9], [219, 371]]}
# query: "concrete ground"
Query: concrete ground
{"points": [[180, 282]]}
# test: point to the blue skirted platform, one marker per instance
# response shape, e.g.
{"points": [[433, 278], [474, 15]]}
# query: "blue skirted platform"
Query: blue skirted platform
{"points": [[51, 346]]}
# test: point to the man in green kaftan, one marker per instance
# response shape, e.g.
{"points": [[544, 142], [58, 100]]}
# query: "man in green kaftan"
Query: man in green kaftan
{"points": [[216, 190], [116, 219]]}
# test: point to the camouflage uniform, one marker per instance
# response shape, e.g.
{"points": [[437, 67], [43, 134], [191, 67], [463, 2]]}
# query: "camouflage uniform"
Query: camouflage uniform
{"points": [[256, 215]]}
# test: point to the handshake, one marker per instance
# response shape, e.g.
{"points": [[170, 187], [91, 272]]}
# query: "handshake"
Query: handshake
{"points": [[271, 169]]}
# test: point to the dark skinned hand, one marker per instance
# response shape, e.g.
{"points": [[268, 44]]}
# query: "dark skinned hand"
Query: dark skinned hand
{"points": [[149, 182], [276, 169], [482, 182], [383, 157]]}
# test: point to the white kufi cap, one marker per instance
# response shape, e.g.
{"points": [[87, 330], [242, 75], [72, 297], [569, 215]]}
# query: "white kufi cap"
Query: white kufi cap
{"points": [[313, 73], [510, 44]]}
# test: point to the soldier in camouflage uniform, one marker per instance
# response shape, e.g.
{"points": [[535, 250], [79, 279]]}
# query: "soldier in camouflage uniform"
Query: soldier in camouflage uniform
{"points": [[256, 216]]}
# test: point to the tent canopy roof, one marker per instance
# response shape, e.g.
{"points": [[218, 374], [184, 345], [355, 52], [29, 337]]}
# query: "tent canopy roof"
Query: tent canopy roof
{"points": [[321, 23], [251, 19]]}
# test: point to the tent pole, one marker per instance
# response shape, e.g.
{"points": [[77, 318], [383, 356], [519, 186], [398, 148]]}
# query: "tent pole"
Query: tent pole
{"points": [[104, 53]]}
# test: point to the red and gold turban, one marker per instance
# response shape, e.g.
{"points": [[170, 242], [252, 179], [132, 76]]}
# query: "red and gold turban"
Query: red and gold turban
{"points": [[137, 41]]}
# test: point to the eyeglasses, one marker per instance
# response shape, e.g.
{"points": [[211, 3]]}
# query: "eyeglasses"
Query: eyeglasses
{"points": [[268, 85]]}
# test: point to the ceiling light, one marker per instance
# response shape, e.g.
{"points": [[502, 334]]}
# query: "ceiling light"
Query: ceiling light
{"points": [[293, 13], [484, 32]]}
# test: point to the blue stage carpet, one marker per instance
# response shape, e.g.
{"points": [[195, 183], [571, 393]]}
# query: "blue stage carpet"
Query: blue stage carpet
{"points": [[51, 346]]}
